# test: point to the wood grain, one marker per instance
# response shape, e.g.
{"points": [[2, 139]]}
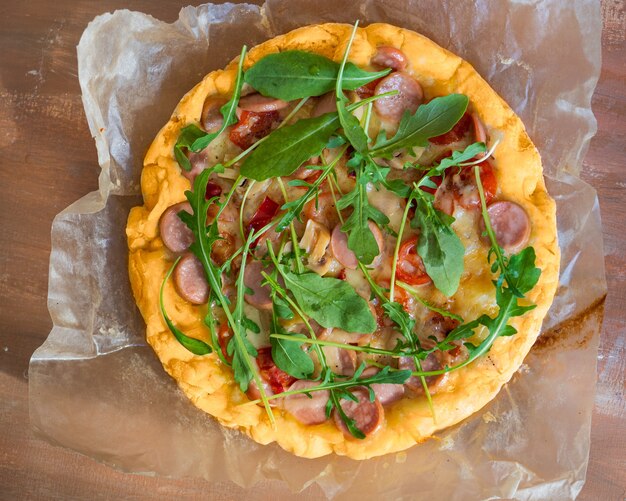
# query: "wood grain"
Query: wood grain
{"points": [[48, 160]]}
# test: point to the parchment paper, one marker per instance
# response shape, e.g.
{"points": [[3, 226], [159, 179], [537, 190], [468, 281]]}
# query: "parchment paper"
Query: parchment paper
{"points": [[97, 388]]}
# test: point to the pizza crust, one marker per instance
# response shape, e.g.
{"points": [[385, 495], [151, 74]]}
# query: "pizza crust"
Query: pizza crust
{"points": [[210, 385]]}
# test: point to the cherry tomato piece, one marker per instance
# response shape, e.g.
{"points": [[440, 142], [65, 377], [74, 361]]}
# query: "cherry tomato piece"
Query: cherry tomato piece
{"points": [[410, 268]]}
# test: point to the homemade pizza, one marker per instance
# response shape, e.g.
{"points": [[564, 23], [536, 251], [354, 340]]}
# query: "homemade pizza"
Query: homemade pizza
{"points": [[346, 243]]}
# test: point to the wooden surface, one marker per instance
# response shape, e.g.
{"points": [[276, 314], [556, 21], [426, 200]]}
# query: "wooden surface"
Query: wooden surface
{"points": [[48, 160]]}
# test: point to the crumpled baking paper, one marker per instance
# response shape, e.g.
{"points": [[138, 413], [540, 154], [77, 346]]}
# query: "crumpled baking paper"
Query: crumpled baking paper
{"points": [[97, 388]]}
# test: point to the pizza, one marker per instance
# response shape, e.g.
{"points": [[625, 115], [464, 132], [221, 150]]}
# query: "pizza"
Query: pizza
{"points": [[346, 243]]}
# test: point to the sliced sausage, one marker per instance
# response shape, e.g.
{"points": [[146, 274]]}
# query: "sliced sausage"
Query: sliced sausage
{"points": [[260, 104], [326, 103], [409, 96], [510, 223], [431, 363], [211, 118], [368, 416], [252, 278], [386, 393], [198, 163], [390, 57], [339, 245], [176, 235], [480, 134], [253, 392], [190, 280], [307, 410]]}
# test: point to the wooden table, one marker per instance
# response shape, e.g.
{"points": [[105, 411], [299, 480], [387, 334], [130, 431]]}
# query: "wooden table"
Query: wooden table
{"points": [[48, 160]]}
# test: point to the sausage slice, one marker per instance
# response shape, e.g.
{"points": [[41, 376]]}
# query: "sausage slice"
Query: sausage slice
{"points": [[390, 57], [307, 410], [431, 363], [510, 223], [386, 393], [176, 235], [211, 118], [409, 96], [252, 278], [190, 280], [368, 416], [260, 103]]}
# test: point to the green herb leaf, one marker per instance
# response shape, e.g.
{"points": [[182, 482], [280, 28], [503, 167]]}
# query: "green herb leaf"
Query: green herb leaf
{"points": [[429, 120], [351, 126], [439, 246], [330, 302], [296, 74], [288, 356], [188, 135], [289, 147]]}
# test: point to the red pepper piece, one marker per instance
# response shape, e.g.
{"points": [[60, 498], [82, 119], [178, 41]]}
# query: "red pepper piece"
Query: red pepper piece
{"points": [[252, 126], [278, 379]]}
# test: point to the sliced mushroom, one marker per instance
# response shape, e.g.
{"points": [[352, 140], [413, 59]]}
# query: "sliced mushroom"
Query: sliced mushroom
{"points": [[315, 241]]}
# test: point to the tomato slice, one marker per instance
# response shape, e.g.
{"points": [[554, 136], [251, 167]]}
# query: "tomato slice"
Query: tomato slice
{"points": [[212, 190], [410, 268], [456, 133], [252, 126], [278, 379]]}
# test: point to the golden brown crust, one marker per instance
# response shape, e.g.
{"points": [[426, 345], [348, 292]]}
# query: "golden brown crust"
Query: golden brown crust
{"points": [[209, 384]]}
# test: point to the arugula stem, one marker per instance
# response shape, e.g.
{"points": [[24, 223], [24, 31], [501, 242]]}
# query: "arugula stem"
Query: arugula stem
{"points": [[364, 349], [243, 203], [292, 231], [396, 250]]}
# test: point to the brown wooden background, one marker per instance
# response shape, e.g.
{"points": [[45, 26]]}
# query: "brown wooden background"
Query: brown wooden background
{"points": [[48, 160]]}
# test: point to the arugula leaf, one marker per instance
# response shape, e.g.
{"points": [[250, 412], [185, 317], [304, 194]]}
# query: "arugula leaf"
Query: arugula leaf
{"points": [[228, 110], [329, 301], [438, 245], [205, 236], [361, 240], [188, 135], [523, 267], [295, 74], [351, 126], [429, 120], [287, 148], [289, 357], [195, 346], [295, 207]]}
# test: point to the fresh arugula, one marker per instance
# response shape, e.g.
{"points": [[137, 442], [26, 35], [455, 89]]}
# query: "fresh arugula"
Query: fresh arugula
{"points": [[288, 356], [438, 245], [294, 208], [239, 347], [331, 302], [295, 74], [195, 346], [385, 376], [351, 126], [429, 120], [287, 148], [188, 135]]}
